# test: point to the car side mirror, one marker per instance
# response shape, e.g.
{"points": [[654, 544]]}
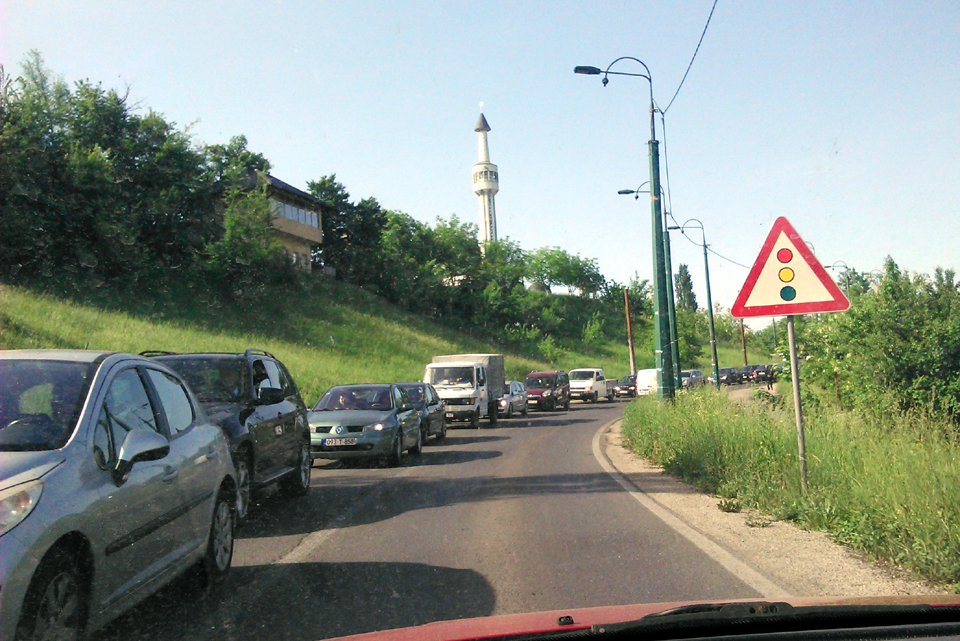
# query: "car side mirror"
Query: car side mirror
{"points": [[407, 406], [271, 395], [139, 446]]}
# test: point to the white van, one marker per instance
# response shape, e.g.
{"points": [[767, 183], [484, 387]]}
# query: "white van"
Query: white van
{"points": [[646, 382]]}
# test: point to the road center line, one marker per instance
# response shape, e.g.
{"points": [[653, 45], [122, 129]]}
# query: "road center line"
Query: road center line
{"points": [[732, 564]]}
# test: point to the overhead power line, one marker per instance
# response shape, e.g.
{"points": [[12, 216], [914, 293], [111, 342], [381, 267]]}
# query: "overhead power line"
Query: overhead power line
{"points": [[694, 56]]}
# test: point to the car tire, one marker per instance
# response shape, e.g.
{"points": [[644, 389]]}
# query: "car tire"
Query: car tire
{"points": [[525, 410], [57, 597], [442, 434], [417, 449], [509, 410], [396, 456], [241, 462], [566, 406], [297, 482], [595, 397], [219, 557], [475, 420]]}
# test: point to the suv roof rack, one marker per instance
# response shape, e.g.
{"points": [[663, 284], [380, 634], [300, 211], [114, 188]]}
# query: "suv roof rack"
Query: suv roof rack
{"points": [[258, 352], [156, 352]]}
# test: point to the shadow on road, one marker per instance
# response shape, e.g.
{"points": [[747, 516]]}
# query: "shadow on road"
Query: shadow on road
{"points": [[361, 500], [306, 601]]}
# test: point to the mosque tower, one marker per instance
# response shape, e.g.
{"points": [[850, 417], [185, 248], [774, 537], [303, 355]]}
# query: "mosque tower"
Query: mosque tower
{"points": [[486, 183]]}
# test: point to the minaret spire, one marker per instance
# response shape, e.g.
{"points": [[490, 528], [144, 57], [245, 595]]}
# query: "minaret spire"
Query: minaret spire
{"points": [[486, 183]]}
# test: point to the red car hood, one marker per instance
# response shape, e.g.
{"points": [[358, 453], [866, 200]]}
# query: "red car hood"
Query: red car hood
{"points": [[584, 618]]}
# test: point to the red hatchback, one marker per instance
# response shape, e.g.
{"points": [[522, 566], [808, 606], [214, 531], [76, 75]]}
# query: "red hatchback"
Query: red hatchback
{"points": [[548, 390]]}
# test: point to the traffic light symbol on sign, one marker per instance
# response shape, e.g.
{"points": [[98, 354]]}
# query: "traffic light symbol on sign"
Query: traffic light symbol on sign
{"points": [[787, 279], [787, 292]]}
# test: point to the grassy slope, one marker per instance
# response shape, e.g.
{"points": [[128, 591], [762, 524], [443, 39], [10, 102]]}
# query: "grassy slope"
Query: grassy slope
{"points": [[333, 334]]}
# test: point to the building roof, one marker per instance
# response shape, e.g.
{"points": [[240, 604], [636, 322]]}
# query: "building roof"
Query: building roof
{"points": [[482, 124]]}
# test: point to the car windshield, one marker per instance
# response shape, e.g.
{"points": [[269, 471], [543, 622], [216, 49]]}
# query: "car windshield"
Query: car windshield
{"points": [[581, 376], [213, 379], [450, 376], [415, 392], [540, 382], [627, 380], [356, 397], [40, 402]]}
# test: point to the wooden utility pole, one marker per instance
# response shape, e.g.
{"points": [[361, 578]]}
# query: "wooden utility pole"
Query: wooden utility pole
{"points": [[743, 343]]}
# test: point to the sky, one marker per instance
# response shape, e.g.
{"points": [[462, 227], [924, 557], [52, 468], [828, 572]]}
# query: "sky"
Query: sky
{"points": [[843, 117]]}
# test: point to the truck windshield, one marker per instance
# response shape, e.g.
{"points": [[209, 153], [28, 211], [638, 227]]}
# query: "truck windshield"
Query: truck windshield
{"points": [[450, 376], [585, 375]]}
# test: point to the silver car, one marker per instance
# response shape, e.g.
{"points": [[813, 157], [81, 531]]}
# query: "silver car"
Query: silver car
{"points": [[514, 399], [112, 483]]}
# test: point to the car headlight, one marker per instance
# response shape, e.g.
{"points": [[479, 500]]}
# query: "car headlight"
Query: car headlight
{"points": [[374, 427], [547, 392], [503, 402], [17, 502]]}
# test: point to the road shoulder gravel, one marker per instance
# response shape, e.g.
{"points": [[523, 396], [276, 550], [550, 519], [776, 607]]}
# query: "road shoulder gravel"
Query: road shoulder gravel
{"points": [[804, 562]]}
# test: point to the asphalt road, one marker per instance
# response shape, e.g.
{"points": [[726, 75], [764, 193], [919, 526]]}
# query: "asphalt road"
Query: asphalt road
{"points": [[519, 518]]}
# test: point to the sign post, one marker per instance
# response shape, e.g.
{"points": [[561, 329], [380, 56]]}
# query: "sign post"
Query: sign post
{"points": [[785, 280]]}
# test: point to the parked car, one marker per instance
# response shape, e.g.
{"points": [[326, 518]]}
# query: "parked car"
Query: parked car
{"points": [[729, 375], [514, 399], [431, 407], [746, 373], [548, 390], [647, 382], [112, 483], [256, 403], [627, 386], [691, 378], [365, 421]]}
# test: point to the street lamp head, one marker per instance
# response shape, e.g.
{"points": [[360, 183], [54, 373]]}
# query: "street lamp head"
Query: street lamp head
{"points": [[588, 71], [625, 192]]}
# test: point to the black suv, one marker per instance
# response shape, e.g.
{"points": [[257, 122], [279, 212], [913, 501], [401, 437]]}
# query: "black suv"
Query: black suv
{"points": [[253, 399]]}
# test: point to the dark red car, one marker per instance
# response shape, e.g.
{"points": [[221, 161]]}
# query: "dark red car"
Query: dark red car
{"points": [[548, 390]]}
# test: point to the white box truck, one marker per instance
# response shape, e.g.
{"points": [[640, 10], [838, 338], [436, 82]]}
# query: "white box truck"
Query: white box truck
{"points": [[471, 385]]}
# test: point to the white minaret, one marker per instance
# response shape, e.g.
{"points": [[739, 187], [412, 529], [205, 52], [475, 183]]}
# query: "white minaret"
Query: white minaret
{"points": [[486, 183]]}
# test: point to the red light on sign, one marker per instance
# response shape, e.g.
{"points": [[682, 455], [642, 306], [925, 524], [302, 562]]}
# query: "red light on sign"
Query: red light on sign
{"points": [[784, 255]]}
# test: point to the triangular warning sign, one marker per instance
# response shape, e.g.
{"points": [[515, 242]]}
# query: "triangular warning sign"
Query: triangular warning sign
{"points": [[787, 279]]}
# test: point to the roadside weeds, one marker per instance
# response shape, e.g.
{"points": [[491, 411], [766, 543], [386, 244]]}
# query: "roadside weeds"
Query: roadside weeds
{"points": [[805, 562]]}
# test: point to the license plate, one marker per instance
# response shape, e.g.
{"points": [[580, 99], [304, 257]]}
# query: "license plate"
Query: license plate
{"points": [[334, 442]]}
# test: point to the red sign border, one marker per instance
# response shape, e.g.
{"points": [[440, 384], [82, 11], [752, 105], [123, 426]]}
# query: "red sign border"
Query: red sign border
{"points": [[782, 225]]}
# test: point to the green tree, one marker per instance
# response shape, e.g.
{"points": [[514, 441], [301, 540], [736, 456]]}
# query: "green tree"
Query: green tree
{"points": [[686, 299]]}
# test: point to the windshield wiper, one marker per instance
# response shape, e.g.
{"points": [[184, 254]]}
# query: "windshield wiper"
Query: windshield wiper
{"points": [[769, 617]]}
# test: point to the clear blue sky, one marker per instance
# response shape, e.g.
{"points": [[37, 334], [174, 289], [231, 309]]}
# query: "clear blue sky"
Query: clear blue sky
{"points": [[842, 116]]}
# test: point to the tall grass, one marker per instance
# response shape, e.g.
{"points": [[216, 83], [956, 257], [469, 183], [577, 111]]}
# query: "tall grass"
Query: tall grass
{"points": [[333, 335], [888, 487]]}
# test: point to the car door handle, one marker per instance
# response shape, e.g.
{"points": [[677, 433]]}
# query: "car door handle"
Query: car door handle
{"points": [[212, 453], [170, 476]]}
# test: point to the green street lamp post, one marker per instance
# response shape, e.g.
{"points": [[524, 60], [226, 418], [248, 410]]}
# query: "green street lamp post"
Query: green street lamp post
{"points": [[671, 299], [662, 336], [706, 272]]}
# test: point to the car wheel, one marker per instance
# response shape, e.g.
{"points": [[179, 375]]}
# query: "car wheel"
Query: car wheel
{"points": [[596, 396], [241, 461], [475, 420], [525, 410], [219, 557], [566, 406], [55, 604], [509, 410], [442, 434], [397, 455], [297, 482], [418, 447]]}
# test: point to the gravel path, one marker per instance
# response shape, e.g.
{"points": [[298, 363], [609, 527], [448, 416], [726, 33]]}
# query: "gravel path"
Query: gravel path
{"points": [[803, 562]]}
